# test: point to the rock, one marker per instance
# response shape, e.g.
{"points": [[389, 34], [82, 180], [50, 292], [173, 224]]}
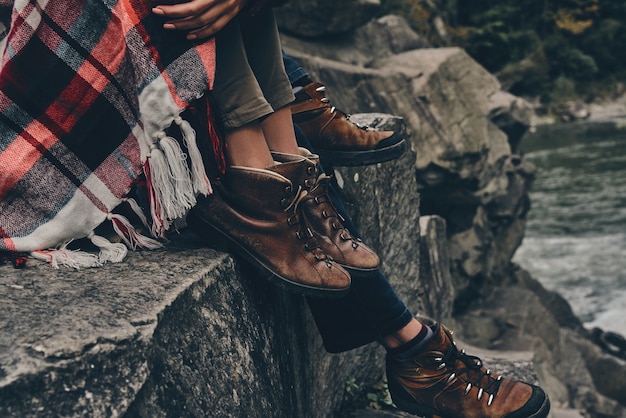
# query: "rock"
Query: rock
{"points": [[572, 111], [435, 277], [165, 332], [569, 366], [386, 36], [511, 114], [323, 17]]}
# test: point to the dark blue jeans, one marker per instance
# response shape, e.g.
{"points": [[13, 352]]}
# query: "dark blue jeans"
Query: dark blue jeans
{"points": [[294, 71], [370, 311]]}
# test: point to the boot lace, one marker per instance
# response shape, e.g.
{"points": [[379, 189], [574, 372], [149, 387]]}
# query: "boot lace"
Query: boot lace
{"points": [[305, 233], [332, 214], [473, 366], [333, 109]]}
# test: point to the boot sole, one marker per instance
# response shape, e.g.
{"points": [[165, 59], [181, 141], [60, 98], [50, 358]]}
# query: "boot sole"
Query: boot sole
{"points": [[431, 413], [355, 271], [211, 234], [405, 402], [367, 157]]}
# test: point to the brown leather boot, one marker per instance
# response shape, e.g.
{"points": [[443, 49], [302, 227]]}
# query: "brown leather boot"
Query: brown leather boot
{"points": [[255, 213], [335, 138], [443, 381], [322, 216]]}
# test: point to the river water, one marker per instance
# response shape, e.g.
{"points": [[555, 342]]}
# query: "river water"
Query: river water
{"points": [[575, 241]]}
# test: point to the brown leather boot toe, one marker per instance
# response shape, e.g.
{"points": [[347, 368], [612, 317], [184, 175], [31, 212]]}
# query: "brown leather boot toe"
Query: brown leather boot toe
{"points": [[443, 381], [255, 213], [322, 216], [335, 138]]}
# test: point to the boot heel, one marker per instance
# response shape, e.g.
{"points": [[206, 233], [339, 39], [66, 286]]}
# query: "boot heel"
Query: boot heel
{"points": [[209, 236], [405, 402]]}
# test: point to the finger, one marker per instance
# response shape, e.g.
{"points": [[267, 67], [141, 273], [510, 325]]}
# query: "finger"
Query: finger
{"points": [[193, 23], [210, 30], [189, 9]]}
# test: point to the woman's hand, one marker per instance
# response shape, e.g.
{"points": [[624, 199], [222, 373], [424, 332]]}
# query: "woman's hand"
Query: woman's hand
{"points": [[202, 18]]}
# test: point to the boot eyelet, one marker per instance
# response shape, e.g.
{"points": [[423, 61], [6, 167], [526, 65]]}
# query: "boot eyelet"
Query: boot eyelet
{"points": [[298, 235], [310, 170], [288, 189], [292, 220], [308, 183], [284, 203], [325, 214], [317, 200], [468, 388], [335, 226], [355, 245]]}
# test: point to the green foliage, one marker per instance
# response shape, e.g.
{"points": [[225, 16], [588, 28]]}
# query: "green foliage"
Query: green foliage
{"points": [[379, 396], [563, 89], [534, 45], [356, 396]]}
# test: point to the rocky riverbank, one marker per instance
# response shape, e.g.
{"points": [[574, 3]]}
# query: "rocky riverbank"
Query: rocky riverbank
{"points": [[466, 133]]}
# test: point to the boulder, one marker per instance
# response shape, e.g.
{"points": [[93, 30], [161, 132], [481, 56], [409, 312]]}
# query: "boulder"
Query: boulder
{"points": [[513, 115], [573, 371]]}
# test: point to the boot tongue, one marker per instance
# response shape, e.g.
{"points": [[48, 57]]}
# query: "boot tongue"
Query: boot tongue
{"points": [[296, 171]]}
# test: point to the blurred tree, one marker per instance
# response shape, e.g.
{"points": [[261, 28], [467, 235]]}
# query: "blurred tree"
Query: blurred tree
{"points": [[534, 46]]}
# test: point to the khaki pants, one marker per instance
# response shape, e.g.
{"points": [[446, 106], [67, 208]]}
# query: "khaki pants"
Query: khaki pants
{"points": [[250, 78]]}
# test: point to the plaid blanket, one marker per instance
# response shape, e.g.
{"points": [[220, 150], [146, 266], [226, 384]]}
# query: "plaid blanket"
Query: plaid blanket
{"points": [[87, 90]]}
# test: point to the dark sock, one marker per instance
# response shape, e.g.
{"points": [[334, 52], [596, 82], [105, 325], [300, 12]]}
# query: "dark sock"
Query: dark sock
{"points": [[302, 81], [412, 347]]}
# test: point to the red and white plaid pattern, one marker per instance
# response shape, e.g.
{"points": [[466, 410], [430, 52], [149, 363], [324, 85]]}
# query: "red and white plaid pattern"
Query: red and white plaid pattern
{"points": [[86, 89]]}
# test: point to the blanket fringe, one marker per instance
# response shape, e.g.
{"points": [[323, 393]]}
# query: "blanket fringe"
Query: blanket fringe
{"points": [[172, 184], [137, 211], [109, 252], [75, 259], [199, 177], [129, 234], [160, 224], [184, 197]]}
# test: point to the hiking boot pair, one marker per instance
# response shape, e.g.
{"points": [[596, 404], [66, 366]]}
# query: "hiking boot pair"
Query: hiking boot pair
{"points": [[442, 381], [335, 138], [283, 222]]}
